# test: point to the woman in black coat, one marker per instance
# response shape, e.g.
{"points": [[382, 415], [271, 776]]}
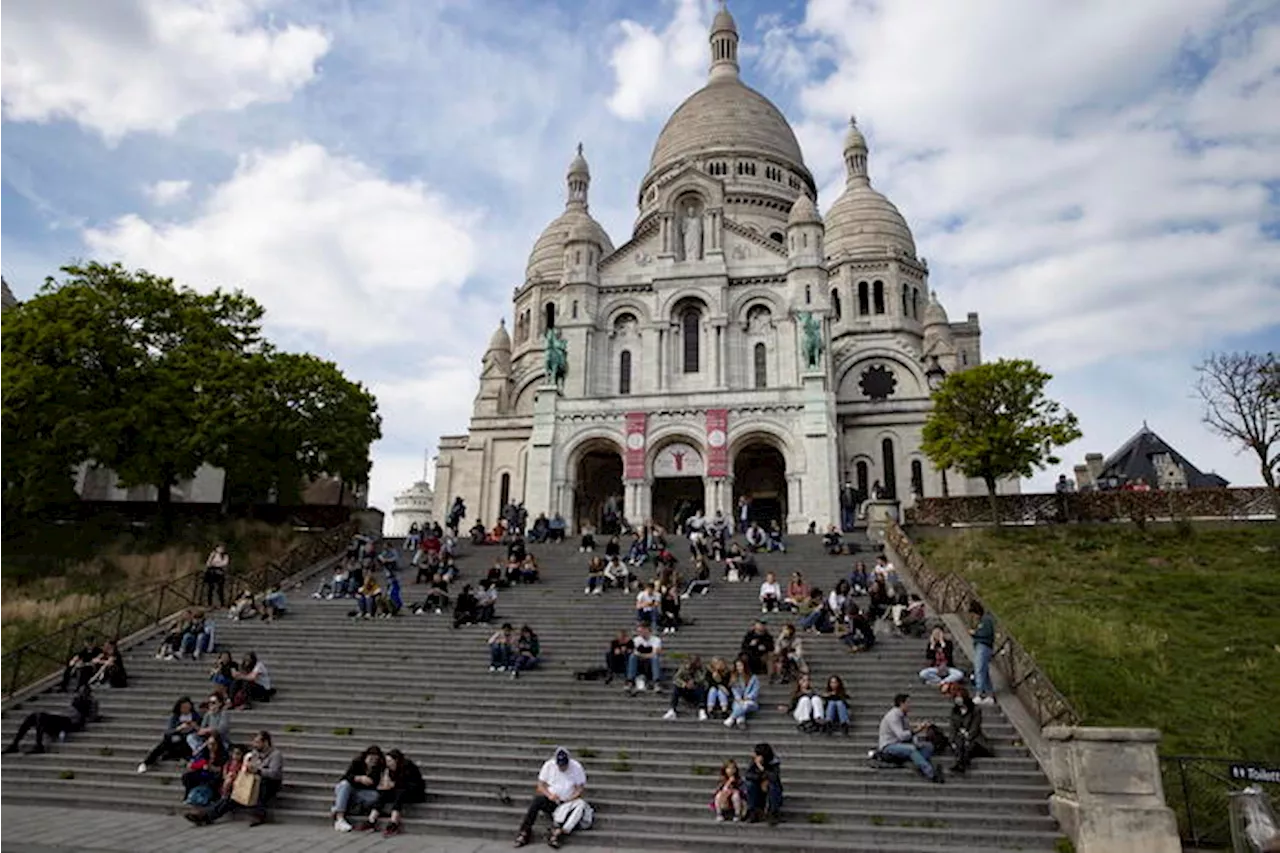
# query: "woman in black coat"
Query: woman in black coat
{"points": [[967, 739], [401, 784], [764, 784]]}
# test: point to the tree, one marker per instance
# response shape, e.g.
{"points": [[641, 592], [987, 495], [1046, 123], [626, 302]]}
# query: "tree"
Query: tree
{"points": [[1241, 396], [993, 421]]}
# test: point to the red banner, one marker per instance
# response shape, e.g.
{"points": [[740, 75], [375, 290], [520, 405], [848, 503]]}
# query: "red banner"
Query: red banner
{"points": [[634, 462], [717, 442]]}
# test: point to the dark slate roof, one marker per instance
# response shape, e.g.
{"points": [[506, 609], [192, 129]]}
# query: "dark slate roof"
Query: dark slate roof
{"points": [[1133, 460], [9, 300]]}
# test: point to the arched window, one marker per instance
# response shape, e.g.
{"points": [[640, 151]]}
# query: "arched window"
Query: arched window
{"points": [[624, 372], [504, 492], [776, 236], [863, 476], [917, 478], [549, 319], [864, 301], [890, 473], [690, 322], [835, 303], [877, 296], [915, 302], [761, 366]]}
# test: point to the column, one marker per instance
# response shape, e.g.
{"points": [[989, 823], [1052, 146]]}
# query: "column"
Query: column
{"points": [[795, 505]]}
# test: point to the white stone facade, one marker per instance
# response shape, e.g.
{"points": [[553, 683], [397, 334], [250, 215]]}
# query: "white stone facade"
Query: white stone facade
{"points": [[415, 505], [687, 340]]}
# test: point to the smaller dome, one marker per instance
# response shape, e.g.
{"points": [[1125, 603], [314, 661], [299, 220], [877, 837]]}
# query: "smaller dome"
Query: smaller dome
{"points": [[500, 340], [854, 138], [864, 222], [546, 261], [804, 212], [578, 166], [723, 22], [934, 313]]}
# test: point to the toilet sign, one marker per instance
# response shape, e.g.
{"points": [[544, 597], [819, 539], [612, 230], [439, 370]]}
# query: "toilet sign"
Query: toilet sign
{"points": [[1254, 773]]}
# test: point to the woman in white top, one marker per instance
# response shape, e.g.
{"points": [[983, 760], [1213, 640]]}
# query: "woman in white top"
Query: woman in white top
{"points": [[770, 593], [837, 599]]}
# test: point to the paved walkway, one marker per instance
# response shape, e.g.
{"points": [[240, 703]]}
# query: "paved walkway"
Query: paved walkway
{"points": [[37, 829]]}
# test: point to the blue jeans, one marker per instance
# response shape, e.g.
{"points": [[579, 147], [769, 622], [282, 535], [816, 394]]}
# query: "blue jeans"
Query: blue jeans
{"points": [[718, 696], [982, 668], [499, 655], [817, 620], [837, 711], [770, 800], [344, 792], [594, 581], [655, 667], [742, 707], [919, 756], [648, 617], [524, 662], [367, 604]]}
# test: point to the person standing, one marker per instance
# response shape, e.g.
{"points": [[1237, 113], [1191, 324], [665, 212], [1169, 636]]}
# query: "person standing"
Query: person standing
{"points": [[215, 575], [562, 783], [984, 641]]}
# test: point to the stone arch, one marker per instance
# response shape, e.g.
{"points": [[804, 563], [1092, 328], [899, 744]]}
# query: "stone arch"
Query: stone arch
{"points": [[595, 466], [682, 296], [743, 302], [847, 375], [674, 497], [768, 432], [612, 311]]}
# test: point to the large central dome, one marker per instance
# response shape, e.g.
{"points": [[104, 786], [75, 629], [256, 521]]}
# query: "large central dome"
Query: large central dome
{"points": [[726, 115]]}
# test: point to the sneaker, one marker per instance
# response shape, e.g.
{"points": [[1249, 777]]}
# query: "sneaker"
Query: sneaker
{"points": [[437, 613], [315, 595], [340, 824], [586, 590], [515, 673], [598, 590], [730, 723], [493, 669], [142, 768], [705, 591], [654, 687], [670, 715], [702, 713], [367, 826], [685, 596], [764, 610], [393, 828]]}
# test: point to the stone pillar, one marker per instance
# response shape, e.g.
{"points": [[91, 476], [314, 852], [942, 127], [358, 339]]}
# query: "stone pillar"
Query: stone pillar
{"points": [[1108, 796], [713, 495], [796, 515], [822, 476], [635, 503], [539, 494]]}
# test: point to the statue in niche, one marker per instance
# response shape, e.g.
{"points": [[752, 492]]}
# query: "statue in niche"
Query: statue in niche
{"points": [[812, 339], [691, 234]]}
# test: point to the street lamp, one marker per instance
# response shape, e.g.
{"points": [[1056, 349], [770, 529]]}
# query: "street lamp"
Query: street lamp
{"points": [[935, 375]]}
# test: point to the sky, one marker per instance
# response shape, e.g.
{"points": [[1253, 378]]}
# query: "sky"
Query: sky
{"points": [[1099, 181]]}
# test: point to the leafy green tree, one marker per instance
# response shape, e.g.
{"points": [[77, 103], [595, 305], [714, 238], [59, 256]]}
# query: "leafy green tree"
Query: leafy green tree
{"points": [[994, 421], [294, 418], [1241, 396]]}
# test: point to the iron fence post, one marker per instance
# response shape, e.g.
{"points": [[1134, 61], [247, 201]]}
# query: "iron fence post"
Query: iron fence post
{"points": [[17, 667], [1186, 802]]}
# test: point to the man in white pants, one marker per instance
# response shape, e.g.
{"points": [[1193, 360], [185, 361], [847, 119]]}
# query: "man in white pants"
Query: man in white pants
{"points": [[562, 783]]}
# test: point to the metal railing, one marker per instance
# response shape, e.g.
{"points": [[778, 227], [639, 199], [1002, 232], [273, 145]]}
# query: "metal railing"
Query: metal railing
{"points": [[1199, 789], [950, 593], [1115, 505], [133, 618]]}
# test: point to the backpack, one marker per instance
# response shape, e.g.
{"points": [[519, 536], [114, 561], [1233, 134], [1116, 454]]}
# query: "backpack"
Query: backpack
{"points": [[200, 795], [594, 674]]}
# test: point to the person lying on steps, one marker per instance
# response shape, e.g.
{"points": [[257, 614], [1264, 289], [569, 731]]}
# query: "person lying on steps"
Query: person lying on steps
{"points": [[82, 711], [560, 792]]}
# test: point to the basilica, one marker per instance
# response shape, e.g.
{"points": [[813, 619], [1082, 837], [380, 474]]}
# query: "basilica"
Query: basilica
{"points": [[737, 350]]}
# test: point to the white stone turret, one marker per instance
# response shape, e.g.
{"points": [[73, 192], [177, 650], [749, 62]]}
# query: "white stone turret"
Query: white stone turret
{"points": [[584, 244], [724, 45], [495, 374]]}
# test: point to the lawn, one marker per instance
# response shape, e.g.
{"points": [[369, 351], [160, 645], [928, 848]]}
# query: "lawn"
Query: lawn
{"points": [[1175, 627]]}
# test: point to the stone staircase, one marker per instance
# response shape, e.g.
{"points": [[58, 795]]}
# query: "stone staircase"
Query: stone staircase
{"points": [[417, 684]]}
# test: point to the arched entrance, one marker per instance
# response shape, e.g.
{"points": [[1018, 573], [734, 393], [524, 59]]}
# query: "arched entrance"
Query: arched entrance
{"points": [[760, 475], [678, 490], [597, 488]]}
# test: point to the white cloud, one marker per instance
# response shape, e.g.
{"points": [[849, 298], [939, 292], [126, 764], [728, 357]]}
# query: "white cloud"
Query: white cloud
{"points": [[145, 65], [168, 192], [331, 248], [654, 70]]}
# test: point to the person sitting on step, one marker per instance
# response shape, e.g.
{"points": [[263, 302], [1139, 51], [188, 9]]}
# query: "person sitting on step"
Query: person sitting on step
{"points": [[719, 697], [80, 667], [859, 579], [511, 574], [770, 594], [615, 660], [595, 577], [638, 553], [560, 792], [254, 679], [669, 610], [171, 644], [529, 572], [556, 528], [879, 603], [479, 535], [358, 787], [806, 706], [588, 543], [619, 575], [82, 711], [108, 667], [647, 602], [184, 722], [392, 602], [758, 647], [613, 549], [501, 648], [646, 652], [689, 684], [204, 772], [437, 598], [486, 602], [836, 700], [837, 601], [466, 608], [788, 656], [909, 617], [528, 652], [859, 635], [797, 592], [336, 585], [832, 541], [367, 598], [701, 583], [400, 785], [223, 672], [199, 638], [814, 616], [745, 688], [274, 604], [264, 761], [897, 741], [764, 785], [939, 654], [244, 607], [757, 539], [967, 739], [729, 801], [215, 724], [776, 542]]}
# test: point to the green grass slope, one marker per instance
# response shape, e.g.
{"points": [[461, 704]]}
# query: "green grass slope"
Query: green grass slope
{"points": [[1176, 628]]}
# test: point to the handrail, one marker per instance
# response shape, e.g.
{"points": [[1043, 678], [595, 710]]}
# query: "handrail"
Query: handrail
{"points": [[951, 593], [138, 615]]}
